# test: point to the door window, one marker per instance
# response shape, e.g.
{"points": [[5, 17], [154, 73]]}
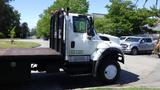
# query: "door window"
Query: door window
{"points": [[142, 41], [148, 40], [79, 24]]}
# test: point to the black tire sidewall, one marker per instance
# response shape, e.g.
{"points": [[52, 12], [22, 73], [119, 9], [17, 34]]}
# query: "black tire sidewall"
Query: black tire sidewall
{"points": [[132, 52], [102, 68]]}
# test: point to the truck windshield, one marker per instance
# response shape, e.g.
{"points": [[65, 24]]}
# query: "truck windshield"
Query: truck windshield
{"points": [[82, 24], [132, 39]]}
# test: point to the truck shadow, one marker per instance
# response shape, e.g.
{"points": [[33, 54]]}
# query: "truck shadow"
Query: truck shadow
{"points": [[141, 53], [42, 81], [127, 77]]}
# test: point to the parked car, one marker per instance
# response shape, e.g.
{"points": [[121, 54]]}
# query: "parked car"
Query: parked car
{"points": [[123, 38], [107, 37], [133, 45]]}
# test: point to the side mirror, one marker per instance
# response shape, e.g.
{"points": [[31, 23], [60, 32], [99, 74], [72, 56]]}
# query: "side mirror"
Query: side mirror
{"points": [[90, 31]]}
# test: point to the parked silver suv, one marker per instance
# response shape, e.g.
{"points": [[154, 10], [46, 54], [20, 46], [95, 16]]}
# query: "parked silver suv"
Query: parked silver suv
{"points": [[134, 45]]}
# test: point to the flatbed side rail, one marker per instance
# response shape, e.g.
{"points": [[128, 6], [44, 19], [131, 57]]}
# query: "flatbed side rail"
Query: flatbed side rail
{"points": [[57, 31]]}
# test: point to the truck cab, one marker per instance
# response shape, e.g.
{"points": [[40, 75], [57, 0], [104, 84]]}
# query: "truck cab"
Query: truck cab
{"points": [[75, 48], [74, 36]]}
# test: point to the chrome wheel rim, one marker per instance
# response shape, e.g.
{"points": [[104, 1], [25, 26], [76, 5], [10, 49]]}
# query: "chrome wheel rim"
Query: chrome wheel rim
{"points": [[110, 72]]}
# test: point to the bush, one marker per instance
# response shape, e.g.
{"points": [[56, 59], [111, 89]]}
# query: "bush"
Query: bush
{"points": [[1, 35]]}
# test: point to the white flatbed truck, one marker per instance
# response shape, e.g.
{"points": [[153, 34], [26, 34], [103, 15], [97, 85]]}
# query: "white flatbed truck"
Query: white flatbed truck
{"points": [[74, 47]]}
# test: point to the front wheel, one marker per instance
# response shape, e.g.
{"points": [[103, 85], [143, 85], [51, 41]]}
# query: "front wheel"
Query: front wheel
{"points": [[134, 51], [109, 72]]}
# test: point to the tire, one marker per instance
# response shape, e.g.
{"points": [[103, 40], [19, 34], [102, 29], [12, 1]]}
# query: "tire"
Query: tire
{"points": [[134, 51], [113, 69], [158, 55]]}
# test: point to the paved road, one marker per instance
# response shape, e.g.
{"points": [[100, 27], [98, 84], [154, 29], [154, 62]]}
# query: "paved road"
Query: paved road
{"points": [[141, 70]]}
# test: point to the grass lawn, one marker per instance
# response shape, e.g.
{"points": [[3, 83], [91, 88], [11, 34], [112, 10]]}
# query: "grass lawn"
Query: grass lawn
{"points": [[17, 44]]}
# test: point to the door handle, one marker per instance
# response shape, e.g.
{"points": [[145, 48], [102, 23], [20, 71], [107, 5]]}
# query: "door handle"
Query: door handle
{"points": [[72, 44]]}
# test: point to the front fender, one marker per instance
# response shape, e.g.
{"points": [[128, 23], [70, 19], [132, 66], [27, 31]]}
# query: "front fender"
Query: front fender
{"points": [[99, 53]]}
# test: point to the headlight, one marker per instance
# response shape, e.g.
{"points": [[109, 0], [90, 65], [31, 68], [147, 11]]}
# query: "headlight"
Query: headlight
{"points": [[124, 45]]}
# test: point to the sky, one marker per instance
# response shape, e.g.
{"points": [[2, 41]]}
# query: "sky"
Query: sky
{"points": [[31, 9]]}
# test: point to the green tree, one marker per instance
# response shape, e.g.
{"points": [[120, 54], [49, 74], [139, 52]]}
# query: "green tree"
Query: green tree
{"points": [[119, 13], [124, 18], [7, 0], [9, 17], [103, 25], [155, 11], [43, 26], [1, 35], [76, 6], [24, 30], [33, 32]]}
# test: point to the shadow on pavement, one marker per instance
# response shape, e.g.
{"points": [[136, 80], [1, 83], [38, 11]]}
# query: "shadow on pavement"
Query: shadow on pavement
{"points": [[42, 81], [140, 53], [127, 77]]}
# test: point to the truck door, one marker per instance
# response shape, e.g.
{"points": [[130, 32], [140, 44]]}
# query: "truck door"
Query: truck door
{"points": [[149, 43], [79, 45], [142, 45], [146, 44]]}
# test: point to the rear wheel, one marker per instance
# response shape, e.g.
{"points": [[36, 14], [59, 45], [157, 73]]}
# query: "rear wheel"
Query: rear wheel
{"points": [[109, 72], [134, 51]]}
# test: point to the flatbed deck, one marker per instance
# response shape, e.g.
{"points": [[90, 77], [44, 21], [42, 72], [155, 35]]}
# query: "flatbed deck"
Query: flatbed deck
{"points": [[30, 54], [27, 51], [16, 63]]}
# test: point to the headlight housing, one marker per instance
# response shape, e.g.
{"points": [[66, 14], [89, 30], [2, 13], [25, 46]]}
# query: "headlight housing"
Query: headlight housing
{"points": [[124, 45]]}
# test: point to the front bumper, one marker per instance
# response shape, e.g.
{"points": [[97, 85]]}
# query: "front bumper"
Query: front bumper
{"points": [[125, 50]]}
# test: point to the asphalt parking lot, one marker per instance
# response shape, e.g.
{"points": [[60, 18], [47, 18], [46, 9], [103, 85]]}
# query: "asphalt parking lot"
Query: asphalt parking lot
{"points": [[141, 70], [138, 71]]}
